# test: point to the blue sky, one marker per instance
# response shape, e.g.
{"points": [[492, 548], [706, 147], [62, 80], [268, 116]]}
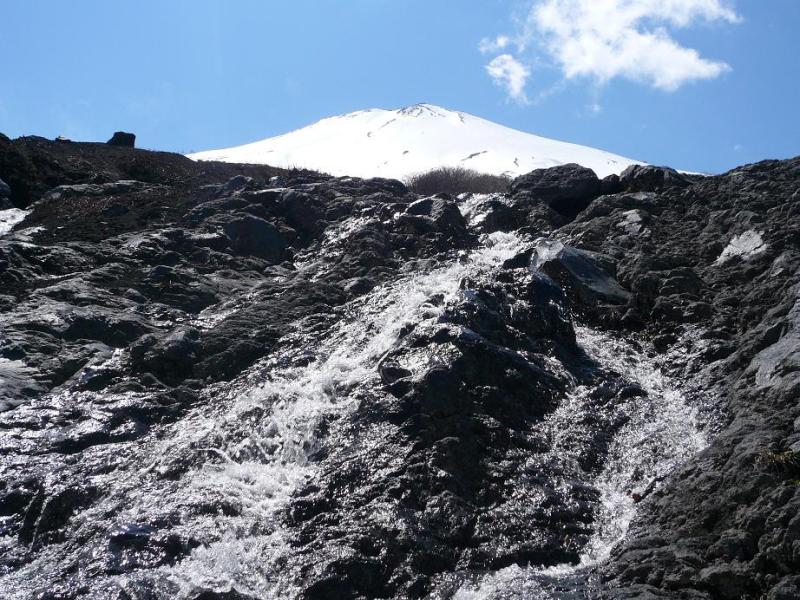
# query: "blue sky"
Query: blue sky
{"points": [[701, 85]]}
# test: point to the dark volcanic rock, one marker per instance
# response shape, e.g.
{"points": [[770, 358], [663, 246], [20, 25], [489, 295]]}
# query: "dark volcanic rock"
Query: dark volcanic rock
{"points": [[251, 235], [582, 274], [647, 178], [121, 138], [567, 189], [230, 381], [442, 211]]}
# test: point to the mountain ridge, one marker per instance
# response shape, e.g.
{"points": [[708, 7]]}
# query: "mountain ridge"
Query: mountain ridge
{"points": [[404, 142]]}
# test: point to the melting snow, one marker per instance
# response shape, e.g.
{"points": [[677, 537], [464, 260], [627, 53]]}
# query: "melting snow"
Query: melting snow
{"points": [[745, 245], [10, 217], [632, 223]]}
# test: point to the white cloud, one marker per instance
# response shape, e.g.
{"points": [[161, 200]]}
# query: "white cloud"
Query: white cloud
{"points": [[497, 44], [511, 75], [601, 40]]}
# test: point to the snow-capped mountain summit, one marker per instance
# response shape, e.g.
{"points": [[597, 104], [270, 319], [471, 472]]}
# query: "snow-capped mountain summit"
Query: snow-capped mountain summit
{"points": [[399, 143]]}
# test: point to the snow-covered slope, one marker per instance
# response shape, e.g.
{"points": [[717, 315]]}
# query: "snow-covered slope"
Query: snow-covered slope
{"points": [[399, 143]]}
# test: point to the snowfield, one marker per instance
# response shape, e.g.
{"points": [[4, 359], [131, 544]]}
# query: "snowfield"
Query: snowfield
{"points": [[400, 143]]}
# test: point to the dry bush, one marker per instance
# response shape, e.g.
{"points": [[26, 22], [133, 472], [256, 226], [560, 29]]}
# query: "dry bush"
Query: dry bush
{"points": [[456, 180], [786, 462]]}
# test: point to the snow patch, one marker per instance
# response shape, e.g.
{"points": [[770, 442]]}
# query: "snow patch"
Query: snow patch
{"points": [[746, 245], [10, 217], [632, 223]]}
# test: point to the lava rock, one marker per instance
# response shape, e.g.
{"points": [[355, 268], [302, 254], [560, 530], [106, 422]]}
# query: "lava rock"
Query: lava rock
{"points": [[443, 211], [90, 189], [647, 178], [567, 189], [122, 139], [171, 357], [347, 368], [254, 236], [581, 273]]}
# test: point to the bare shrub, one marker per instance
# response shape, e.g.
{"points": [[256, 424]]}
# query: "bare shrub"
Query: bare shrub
{"points": [[456, 180]]}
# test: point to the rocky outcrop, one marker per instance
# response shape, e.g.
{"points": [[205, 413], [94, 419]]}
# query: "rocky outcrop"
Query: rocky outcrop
{"points": [[567, 189], [122, 139], [647, 178], [714, 530], [583, 275], [359, 392]]}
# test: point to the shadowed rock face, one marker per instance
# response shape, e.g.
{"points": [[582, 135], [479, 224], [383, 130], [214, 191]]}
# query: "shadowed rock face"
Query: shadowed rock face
{"points": [[226, 381], [123, 139], [637, 178], [567, 189]]}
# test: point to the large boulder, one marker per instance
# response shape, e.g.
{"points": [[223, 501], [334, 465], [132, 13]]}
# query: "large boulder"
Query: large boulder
{"points": [[647, 178], [172, 356], [441, 209], [567, 189], [122, 138], [254, 236], [586, 276]]}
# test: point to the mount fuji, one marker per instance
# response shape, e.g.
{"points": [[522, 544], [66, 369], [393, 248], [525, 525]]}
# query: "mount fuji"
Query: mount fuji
{"points": [[400, 143]]}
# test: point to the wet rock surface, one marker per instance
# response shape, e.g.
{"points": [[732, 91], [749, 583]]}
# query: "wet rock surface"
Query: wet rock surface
{"points": [[229, 381]]}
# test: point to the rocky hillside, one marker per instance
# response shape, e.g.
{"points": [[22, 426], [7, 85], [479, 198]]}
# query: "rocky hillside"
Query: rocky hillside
{"points": [[222, 381]]}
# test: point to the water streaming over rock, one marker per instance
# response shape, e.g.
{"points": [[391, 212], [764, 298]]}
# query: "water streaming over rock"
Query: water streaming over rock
{"points": [[253, 444], [224, 476], [276, 426], [661, 431], [230, 382]]}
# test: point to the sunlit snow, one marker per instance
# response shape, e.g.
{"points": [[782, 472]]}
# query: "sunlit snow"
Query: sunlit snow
{"points": [[10, 217], [400, 143], [745, 245]]}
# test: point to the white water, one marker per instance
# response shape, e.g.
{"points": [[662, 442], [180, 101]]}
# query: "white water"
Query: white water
{"points": [[259, 435], [279, 421], [662, 433]]}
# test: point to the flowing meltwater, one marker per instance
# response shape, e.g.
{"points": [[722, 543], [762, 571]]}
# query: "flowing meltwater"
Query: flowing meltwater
{"points": [[254, 443], [269, 457], [271, 460], [259, 435], [662, 433]]}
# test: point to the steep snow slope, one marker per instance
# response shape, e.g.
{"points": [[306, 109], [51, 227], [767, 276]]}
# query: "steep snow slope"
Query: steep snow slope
{"points": [[399, 143]]}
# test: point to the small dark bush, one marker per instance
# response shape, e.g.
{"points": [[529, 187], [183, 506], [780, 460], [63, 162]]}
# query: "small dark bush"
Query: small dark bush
{"points": [[456, 180], [785, 463]]}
